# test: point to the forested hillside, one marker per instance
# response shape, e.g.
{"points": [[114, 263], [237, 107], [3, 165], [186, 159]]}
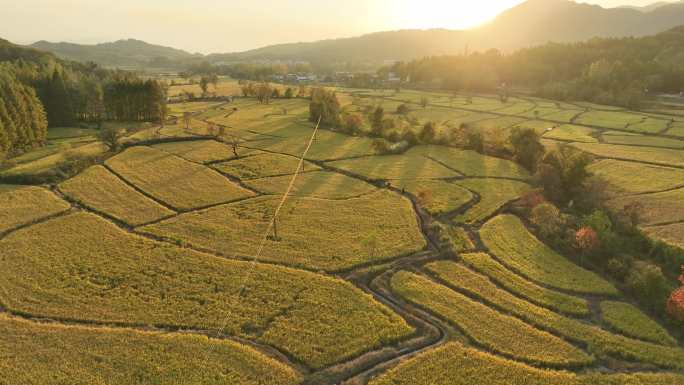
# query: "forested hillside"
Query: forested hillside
{"points": [[38, 90], [611, 71]]}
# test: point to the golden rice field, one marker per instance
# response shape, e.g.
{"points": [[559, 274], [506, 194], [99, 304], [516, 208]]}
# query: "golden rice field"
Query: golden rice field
{"points": [[101, 190], [384, 226], [52, 354], [173, 180], [146, 268]]}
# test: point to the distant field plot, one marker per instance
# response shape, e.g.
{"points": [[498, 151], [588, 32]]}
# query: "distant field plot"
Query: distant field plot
{"points": [[572, 133], [599, 341], [23, 204], [516, 109], [57, 270], [384, 226], [639, 140], [180, 108], [201, 151], [672, 234], [263, 165], [315, 184], [493, 194], [650, 125], [406, 167], [637, 178], [498, 123], [542, 296], [630, 321], [677, 130], [247, 114], [539, 126], [34, 353], [486, 326], [439, 114], [508, 239], [225, 88], [563, 115], [657, 208], [470, 163], [455, 364], [177, 182], [599, 107], [103, 191], [437, 197], [662, 156], [609, 119]]}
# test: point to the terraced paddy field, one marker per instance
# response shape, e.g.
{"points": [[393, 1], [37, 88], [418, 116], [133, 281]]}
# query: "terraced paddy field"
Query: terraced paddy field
{"points": [[164, 264]]}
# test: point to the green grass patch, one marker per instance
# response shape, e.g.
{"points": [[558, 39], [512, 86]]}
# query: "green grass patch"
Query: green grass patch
{"points": [[264, 165], [315, 184], [609, 119], [22, 205], [48, 163], [487, 327], [366, 229], [650, 125], [179, 183], [572, 133], [103, 191], [541, 296], [326, 146], [630, 321], [493, 194], [70, 132], [58, 270], [661, 156], [639, 140], [563, 115], [509, 240], [34, 353]]}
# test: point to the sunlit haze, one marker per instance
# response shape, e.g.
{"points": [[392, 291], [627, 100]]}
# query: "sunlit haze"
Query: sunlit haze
{"points": [[227, 26]]}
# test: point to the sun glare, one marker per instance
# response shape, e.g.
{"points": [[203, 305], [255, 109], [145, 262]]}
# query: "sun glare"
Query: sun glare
{"points": [[448, 14]]}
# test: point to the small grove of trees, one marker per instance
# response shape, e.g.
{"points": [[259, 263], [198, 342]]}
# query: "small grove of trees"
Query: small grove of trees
{"points": [[325, 106], [527, 147]]}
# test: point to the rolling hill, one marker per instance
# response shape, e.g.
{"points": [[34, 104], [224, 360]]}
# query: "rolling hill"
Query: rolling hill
{"points": [[122, 53], [532, 23]]}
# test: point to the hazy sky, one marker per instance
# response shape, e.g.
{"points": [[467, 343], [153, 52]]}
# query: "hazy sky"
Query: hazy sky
{"points": [[228, 25]]}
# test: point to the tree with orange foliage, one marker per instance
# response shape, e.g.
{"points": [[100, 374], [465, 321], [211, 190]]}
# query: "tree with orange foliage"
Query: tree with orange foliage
{"points": [[675, 305], [586, 239]]}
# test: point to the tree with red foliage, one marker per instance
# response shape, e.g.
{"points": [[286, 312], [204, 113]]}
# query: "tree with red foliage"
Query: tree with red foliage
{"points": [[675, 305], [586, 239]]}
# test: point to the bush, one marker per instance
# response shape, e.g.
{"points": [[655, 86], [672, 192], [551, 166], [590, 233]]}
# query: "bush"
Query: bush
{"points": [[353, 123], [384, 147], [648, 284], [548, 219], [428, 133], [527, 147], [403, 109]]}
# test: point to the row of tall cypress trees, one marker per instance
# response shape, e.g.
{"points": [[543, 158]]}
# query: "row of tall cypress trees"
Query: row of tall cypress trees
{"points": [[38, 91]]}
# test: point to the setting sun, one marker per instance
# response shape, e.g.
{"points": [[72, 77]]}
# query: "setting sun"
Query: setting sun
{"points": [[448, 14]]}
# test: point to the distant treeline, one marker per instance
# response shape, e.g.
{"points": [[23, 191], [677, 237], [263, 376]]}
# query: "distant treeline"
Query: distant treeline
{"points": [[38, 91], [609, 71], [248, 71]]}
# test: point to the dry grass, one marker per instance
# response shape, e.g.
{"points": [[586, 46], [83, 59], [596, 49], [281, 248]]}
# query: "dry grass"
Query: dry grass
{"points": [[493, 193], [658, 208], [22, 205], [404, 167], [58, 270], [470, 163], [103, 191], [201, 151], [366, 229], [179, 183], [33, 353]]}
